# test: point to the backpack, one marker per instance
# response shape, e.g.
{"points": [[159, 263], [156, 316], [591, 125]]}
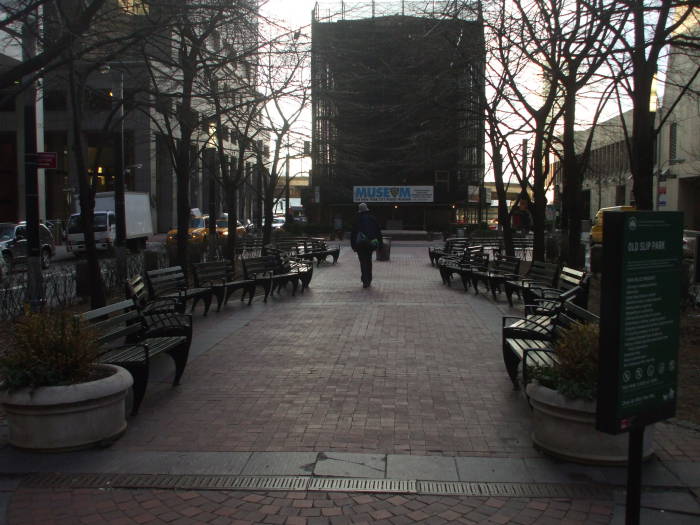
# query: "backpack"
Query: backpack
{"points": [[361, 239]]}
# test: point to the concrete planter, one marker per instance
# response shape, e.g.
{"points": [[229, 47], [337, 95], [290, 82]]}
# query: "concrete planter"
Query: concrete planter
{"points": [[61, 418], [566, 429]]}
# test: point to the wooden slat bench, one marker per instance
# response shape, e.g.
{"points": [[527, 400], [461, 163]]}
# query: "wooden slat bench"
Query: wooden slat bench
{"points": [[126, 341], [275, 270], [136, 290], [492, 245], [523, 246], [449, 265], [219, 276], [452, 246], [478, 262], [171, 282], [532, 343], [540, 274], [503, 268], [317, 249], [568, 278]]}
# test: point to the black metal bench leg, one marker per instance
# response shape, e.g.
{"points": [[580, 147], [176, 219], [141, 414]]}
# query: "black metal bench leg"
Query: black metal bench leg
{"points": [[295, 285], [221, 297], [179, 355], [229, 293], [207, 304], [268, 286], [140, 375], [251, 293], [509, 294], [511, 361]]}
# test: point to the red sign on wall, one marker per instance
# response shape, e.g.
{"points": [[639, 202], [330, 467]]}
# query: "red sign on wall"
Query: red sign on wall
{"points": [[43, 159]]}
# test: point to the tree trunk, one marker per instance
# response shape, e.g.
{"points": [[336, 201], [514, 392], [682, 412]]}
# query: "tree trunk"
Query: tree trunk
{"points": [[87, 196], [232, 207], [538, 207], [642, 161], [503, 215], [572, 181]]}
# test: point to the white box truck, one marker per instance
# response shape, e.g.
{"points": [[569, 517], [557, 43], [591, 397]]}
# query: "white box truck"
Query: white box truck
{"points": [[139, 226]]}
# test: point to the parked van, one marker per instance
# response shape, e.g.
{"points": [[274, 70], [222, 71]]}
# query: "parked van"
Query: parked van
{"points": [[139, 226], [597, 227]]}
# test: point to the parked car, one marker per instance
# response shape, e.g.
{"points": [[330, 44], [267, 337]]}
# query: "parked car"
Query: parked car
{"points": [[597, 226], [197, 232], [222, 228], [13, 244], [277, 223]]}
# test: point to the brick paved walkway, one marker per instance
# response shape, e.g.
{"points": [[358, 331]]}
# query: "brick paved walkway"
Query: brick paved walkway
{"points": [[407, 366], [240, 508]]}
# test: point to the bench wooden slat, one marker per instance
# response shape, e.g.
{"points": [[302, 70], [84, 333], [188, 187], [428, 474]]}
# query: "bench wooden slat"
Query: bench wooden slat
{"points": [[520, 344], [171, 283], [219, 276], [123, 335]]}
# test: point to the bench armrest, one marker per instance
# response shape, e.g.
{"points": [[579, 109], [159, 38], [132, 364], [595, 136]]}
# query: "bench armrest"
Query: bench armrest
{"points": [[162, 304], [527, 326], [168, 325]]}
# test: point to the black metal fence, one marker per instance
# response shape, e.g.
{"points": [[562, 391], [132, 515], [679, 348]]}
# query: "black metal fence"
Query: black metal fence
{"points": [[61, 283]]}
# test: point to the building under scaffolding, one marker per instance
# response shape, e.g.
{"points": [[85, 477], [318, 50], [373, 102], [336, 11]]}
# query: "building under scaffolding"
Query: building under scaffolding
{"points": [[398, 116]]}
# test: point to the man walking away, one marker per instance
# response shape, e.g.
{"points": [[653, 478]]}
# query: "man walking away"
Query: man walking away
{"points": [[365, 238]]}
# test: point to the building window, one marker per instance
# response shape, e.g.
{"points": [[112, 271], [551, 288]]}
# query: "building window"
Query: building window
{"points": [[98, 99], [586, 204], [672, 142], [619, 195], [442, 181]]}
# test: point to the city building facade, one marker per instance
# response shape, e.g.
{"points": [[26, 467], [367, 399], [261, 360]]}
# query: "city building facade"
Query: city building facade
{"points": [[130, 116], [398, 121]]}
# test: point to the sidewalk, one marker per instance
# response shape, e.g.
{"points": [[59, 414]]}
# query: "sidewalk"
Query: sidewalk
{"points": [[382, 405]]}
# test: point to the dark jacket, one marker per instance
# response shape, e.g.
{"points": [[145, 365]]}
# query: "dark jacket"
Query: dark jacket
{"points": [[368, 225]]}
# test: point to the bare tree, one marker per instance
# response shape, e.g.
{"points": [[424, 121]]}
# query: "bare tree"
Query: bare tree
{"points": [[651, 26], [282, 80], [189, 45], [525, 60]]}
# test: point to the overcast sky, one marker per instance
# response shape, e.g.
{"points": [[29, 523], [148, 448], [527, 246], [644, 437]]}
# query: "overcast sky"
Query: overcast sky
{"points": [[296, 13]]}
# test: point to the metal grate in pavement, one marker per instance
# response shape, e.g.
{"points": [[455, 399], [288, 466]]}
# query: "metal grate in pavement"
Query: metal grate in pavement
{"points": [[314, 484], [514, 490], [363, 485]]}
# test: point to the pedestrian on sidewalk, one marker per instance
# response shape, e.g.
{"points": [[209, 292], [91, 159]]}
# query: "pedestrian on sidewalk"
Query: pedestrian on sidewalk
{"points": [[366, 237]]}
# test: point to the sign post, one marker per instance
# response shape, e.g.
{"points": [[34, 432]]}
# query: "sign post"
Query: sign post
{"points": [[639, 325]]}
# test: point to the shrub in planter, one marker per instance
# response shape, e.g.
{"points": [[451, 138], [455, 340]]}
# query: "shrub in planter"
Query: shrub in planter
{"points": [[576, 374], [563, 399], [48, 349], [54, 395]]}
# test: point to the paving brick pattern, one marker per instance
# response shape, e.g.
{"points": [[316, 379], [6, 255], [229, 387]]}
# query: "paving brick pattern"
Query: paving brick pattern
{"points": [[122, 507], [406, 366]]}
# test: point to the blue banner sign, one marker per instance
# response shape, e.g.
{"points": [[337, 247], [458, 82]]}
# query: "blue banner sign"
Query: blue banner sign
{"points": [[392, 194]]}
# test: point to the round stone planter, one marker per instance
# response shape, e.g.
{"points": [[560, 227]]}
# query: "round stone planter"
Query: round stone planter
{"points": [[70, 417], [565, 428]]}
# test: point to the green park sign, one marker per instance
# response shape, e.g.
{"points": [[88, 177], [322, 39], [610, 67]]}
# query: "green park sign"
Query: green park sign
{"points": [[639, 319]]}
